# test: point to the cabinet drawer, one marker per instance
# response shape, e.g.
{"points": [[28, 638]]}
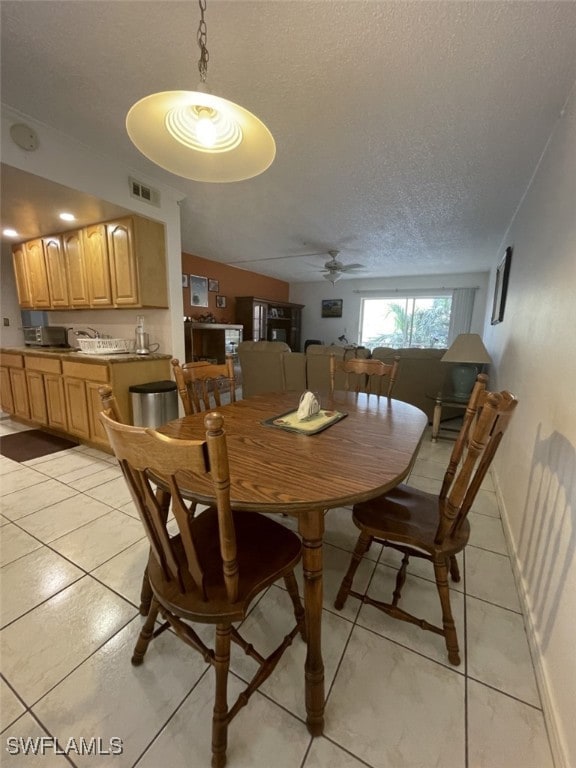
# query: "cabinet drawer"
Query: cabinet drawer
{"points": [[11, 360], [43, 364], [86, 371]]}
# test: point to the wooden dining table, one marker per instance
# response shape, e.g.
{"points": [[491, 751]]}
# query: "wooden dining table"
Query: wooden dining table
{"points": [[359, 457]]}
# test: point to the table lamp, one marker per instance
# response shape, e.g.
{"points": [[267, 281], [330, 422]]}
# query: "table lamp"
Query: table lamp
{"points": [[469, 354]]}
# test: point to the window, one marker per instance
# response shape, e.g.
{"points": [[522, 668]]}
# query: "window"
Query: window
{"points": [[405, 321]]}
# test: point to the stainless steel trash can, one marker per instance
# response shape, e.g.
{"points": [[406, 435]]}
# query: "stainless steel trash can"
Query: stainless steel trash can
{"points": [[153, 403]]}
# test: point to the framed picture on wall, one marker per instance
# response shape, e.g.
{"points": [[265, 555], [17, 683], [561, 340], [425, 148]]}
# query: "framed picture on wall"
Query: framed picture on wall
{"points": [[501, 287], [198, 291], [331, 307], [213, 285], [221, 302]]}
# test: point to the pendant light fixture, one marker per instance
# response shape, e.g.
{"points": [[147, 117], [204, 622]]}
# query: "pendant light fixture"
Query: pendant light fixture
{"points": [[197, 135]]}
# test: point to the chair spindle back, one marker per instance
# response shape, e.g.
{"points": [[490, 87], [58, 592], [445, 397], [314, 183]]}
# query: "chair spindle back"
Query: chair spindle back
{"points": [[147, 458], [485, 422], [201, 384]]}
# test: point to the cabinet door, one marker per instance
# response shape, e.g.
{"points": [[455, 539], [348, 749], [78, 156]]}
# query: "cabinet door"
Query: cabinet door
{"points": [[6, 400], [123, 263], [73, 247], [259, 321], [20, 392], [76, 407], [38, 275], [37, 397], [23, 286], [55, 401], [96, 251], [97, 432], [56, 272]]}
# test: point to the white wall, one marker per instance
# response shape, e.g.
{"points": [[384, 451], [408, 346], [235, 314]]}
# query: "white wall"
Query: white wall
{"points": [[65, 161], [10, 335], [328, 329], [534, 350]]}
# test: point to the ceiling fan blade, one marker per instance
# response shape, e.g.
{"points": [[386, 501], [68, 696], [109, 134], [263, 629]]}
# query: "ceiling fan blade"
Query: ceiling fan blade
{"points": [[348, 267]]}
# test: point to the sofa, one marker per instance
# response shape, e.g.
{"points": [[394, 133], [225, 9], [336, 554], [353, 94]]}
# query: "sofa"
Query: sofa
{"points": [[270, 366]]}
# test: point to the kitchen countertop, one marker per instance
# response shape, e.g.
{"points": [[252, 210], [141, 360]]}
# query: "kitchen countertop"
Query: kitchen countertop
{"points": [[61, 353]]}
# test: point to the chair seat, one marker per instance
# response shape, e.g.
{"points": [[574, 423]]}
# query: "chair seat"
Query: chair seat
{"points": [[266, 552], [433, 527], [408, 516]]}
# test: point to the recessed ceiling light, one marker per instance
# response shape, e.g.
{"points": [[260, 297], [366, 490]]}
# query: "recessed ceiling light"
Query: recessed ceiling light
{"points": [[10, 232], [67, 217]]}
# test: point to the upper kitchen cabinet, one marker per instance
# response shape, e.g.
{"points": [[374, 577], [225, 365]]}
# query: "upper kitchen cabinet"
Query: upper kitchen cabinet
{"points": [[22, 275], [98, 265], [56, 272], [38, 274], [76, 268], [137, 263], [31, 276], [118, 263]]}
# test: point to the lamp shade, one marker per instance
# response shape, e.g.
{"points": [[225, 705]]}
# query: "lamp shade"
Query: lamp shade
{"points": [[200, 136], [467, 352], [467, 348]]}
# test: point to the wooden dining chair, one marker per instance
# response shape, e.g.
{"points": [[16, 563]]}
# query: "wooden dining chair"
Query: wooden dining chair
{"points": [[201, 384], [429, 526], [360, 374], [211, 571]]}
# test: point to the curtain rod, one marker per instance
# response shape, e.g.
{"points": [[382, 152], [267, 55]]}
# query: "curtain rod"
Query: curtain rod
{"points": [[412, 291]]}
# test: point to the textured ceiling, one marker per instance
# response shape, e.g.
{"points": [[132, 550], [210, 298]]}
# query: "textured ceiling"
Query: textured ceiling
{"points": [[406, 132]]}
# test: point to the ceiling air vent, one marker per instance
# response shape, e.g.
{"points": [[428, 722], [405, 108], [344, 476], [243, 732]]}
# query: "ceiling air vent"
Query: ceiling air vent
{"points": [[144, 192]]}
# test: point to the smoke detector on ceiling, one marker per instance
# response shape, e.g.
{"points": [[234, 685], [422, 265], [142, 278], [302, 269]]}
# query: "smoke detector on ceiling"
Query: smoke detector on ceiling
{"points": [[24, 136]]}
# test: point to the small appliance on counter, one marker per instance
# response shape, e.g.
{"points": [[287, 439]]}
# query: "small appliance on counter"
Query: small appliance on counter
{"points": [[143, 346], [45, 336]]}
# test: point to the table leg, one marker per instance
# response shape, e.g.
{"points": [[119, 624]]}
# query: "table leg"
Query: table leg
{"points": [[436, 419], [311, 528]]}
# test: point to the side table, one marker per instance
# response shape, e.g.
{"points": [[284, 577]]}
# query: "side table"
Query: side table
{"points": [[440, 400]]}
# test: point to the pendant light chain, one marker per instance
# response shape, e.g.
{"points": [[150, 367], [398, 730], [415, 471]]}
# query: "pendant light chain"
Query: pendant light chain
{"points": [[197, 135], [201, 38]]}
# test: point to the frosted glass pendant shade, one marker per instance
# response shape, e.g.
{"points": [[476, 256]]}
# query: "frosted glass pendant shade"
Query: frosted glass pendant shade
{"points": [[200, 136]]}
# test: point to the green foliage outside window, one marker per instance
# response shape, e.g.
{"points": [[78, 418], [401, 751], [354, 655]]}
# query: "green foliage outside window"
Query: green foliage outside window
{"points": [[406, 322]]}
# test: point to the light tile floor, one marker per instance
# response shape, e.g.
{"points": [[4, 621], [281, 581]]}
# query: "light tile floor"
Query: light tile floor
{"points": [[72, 556]]}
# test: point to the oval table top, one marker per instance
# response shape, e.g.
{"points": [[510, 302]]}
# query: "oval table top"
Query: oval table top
{"points": [[354, 459]]}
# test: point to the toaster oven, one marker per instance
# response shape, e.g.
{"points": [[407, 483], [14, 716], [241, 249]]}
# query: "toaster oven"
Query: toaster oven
{"points": [[45, 336]]}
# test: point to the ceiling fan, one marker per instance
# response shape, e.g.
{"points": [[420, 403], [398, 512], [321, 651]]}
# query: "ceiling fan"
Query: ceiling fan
{"points": [[334, 269]]}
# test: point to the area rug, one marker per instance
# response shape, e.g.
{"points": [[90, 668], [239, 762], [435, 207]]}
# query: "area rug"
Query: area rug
{"points": [[31, 444]]}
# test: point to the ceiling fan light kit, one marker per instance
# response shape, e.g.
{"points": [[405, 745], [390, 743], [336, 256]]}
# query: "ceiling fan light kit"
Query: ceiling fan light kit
{"points": [[199, 136], [334, 269]]}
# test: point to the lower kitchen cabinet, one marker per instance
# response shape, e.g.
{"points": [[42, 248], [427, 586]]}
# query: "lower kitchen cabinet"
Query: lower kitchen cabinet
{"points": [[81, 383], [94, 404], [76, 408], [6, 399], [60, 391], [37, 397], [14, 390], [20, 393], [46, 391], [55, 401]]}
